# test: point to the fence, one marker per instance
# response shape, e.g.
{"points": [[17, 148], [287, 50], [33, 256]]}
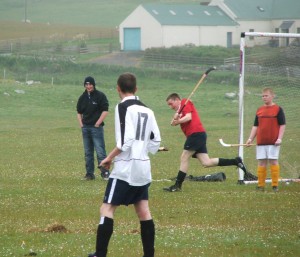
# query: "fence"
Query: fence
{"points": [[162, 61], [63, 44]]}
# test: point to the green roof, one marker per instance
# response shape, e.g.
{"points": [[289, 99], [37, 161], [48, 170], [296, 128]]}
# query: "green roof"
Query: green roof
{"points": [[188, 15], [264, 9]]}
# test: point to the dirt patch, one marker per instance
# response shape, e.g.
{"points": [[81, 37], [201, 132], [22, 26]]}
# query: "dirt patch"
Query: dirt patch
{"points": [[56, 228], [127, 59], [53, 228]]}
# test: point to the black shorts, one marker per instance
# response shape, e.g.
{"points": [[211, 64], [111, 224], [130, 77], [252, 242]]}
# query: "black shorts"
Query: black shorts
{"points": [[119, 192], [196, 142]]}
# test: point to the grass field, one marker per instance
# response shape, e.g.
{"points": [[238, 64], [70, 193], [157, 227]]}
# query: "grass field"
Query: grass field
{"points": [[47, 209], [41, 189], [76, 12]]}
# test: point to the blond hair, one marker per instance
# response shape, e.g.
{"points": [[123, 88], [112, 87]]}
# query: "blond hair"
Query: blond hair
{"points": [[268, 89]]}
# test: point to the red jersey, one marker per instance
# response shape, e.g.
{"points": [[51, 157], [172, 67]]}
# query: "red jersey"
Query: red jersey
{"points": [[194, 125], [268, 120]]}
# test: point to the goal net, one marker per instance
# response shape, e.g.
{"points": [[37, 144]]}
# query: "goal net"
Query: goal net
{"points": [[270, 60]]}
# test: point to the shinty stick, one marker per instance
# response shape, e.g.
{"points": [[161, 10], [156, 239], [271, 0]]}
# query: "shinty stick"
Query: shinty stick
{"points": [[232, 145], [195, 88]]}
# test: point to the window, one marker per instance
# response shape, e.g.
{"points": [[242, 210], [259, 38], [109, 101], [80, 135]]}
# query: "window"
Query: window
{"points": [[260, 8]]}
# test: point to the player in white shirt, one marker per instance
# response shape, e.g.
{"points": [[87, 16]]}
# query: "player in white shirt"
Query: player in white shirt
{"points": [[137, 134]]}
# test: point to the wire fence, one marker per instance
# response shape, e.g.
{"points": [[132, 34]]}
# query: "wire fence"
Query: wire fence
{"points": [[63, 44], [103, 48], [162, 61]]}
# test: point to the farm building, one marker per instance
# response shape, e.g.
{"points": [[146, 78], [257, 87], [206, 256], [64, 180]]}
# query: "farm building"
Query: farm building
{"points": [[215, 22]]}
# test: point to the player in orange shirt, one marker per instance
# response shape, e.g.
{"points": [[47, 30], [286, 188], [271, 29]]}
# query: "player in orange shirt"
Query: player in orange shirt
{"points": [[268, 128]]}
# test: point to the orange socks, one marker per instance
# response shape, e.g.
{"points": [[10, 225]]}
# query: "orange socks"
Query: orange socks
{"points": [[261, 175], [274, 175]]}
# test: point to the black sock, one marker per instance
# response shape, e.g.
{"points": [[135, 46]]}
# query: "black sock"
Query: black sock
{"points": [[104, 232], [148, 235], [227, 162], [180, 178]]}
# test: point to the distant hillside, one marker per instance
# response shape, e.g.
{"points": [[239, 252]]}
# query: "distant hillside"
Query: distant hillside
{"points": [[104, 13]]}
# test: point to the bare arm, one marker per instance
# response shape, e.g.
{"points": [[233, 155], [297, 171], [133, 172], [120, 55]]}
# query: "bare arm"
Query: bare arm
{"points": [[252, 135], [184, 119], [108, 160], [280, 135]]}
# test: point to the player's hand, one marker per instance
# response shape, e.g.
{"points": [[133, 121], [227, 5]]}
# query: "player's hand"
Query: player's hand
{"points": [[248, 143], [176, 116], [174, 122], [175, 119], [278, 142], [106, 163]]}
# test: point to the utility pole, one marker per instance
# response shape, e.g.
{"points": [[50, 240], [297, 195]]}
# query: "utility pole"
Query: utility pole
{"points": [[25, 11]]}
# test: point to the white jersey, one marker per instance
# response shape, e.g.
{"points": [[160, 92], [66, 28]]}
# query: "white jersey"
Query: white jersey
{"points": [[137, 134]]}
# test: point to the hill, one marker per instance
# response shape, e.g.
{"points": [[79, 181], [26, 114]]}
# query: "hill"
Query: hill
{"points": [[72, 12], [57, 16]]}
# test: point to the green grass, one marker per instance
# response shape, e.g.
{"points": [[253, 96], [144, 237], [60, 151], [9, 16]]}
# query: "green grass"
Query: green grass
{"points": [[42, 162], [42, 165], [101, 13]]}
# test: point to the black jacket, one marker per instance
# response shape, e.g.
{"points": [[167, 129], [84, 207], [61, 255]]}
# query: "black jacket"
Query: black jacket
{"points": [[91, 107]]}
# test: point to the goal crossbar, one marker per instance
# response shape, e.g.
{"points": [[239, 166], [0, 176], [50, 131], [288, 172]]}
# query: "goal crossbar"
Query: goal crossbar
{"points": [[269, 34]]}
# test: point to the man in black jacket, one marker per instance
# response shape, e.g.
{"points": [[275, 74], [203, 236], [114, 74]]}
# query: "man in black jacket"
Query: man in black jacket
{"points": [[92, 108]]}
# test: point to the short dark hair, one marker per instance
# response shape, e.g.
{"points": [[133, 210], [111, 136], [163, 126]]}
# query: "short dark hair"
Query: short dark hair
{"points": [[173, 96], [127, 82]]}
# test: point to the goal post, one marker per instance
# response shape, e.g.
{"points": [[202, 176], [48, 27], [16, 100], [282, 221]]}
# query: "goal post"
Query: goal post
{"points": [[270, 60]]}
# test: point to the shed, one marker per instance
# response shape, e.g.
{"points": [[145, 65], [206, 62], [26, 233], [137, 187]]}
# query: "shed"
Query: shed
{"points": [[166, 25], [216, 23]]}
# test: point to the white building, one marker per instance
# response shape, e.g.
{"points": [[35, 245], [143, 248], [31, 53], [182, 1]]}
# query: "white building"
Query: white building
{"points": [[218, 24]]}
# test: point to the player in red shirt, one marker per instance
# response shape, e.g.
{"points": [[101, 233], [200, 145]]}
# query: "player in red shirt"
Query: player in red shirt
{"points": [[268, 128], [195, 144]]}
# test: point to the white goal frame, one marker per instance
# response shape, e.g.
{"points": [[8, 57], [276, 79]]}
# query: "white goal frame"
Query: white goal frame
{"points": [[242, 80]]}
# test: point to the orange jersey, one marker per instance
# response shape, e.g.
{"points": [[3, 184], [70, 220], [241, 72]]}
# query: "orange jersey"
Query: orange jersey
{"points": [[268, 120]]}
